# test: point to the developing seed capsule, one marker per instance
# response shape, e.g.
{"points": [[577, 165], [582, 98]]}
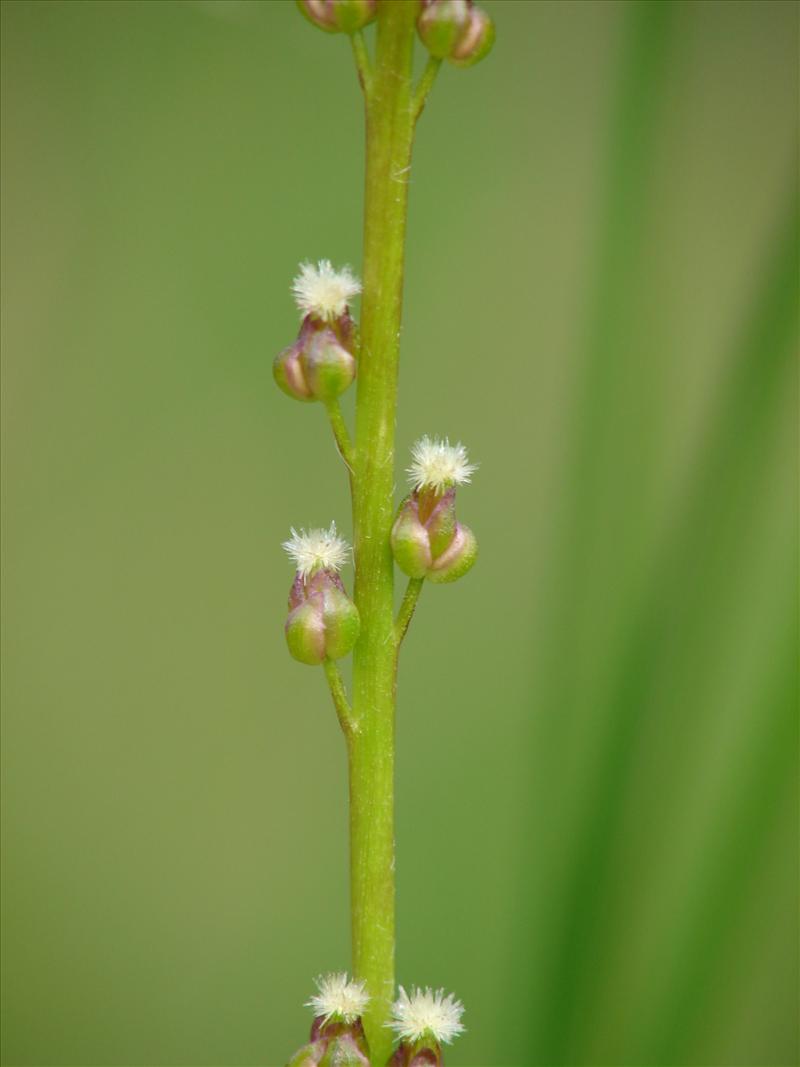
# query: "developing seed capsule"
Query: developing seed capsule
{"points": [[477, 40], [339, 16], [440, 25], [308, 1056], [455, 30], [317, 366], [320, 364], [323, 621], [343, 1051], [427, 540]]}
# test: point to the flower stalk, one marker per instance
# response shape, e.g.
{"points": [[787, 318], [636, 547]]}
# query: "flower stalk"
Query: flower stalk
{"points": [[389, 136], [424, 538]]}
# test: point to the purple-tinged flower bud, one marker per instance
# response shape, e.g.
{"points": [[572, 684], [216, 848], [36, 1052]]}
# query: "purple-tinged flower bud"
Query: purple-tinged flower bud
{"points": [[337, 1028], [289, 372], [343, 1051], [319, 365], [457, 559], [427, 1056], [440, 25], [308, 1056], [427, 540], [323, 621], [455, 30], [329, 367], [339, 16], [477, 40]]}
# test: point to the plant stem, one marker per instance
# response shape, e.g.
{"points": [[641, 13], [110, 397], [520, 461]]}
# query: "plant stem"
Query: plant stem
{"points": [[425, 84], [390, 128], [406, 612], [340, 702], [340, 432], [361, 56]]}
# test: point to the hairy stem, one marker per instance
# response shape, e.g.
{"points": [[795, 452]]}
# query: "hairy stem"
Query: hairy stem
{"points": [[406, 612], [390, 128]]}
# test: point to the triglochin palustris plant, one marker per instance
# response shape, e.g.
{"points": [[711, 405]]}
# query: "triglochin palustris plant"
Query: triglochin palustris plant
{"points": [[365, 1021]]}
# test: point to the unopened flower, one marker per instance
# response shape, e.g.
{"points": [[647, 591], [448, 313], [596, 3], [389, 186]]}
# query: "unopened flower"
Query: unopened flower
{"points": [[324, 292], [427, 1014], [455, 30], [316, 550], [323, 622], [438, 465], [339, 997], [339, 16]]}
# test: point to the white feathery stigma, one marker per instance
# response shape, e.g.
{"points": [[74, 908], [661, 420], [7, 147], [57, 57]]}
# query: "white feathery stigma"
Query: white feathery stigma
{"points": [[339, 997], [324, 292], [437, 464], [429, 1013], [316, 550]]}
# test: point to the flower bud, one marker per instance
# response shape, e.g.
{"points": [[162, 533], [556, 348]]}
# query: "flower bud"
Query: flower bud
{"points": [[426, 1056], [455, 30], [308, 1056], [477, 40], [339, 16], [289, 373], [425, 1053], [319, 365], [344, 1051], [428, 541], [323, 621], [440, 25], [329, 367]]}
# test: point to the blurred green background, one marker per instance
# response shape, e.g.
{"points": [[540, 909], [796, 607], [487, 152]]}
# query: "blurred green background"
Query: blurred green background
{"points": [[597, 737]]}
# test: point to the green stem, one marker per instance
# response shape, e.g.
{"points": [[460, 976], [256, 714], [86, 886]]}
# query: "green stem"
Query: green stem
{"points": [[340, 432], [406, 612], [361, 56], [390, 129], [425, 84], [340, 701]]}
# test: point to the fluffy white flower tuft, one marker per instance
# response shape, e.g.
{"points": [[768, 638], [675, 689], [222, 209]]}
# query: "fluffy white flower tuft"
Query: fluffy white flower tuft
{"points": [[316, 550], [324, 292], [437, 464], [339, 997], [427, 1013]]}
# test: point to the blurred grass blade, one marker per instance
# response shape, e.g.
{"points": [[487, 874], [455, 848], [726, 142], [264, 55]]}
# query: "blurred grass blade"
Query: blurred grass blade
{"points": [[719, 507]]}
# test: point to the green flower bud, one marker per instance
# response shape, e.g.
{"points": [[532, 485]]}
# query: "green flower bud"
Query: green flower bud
{"points": [[344, 1051], [458, 558], [428, 541], [319, 365], [323, 621], [289, 373], [441, 24], [339, 16], [425, 1056], [329, 367], [308, 1056], [455, 30], [477, 40]]}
